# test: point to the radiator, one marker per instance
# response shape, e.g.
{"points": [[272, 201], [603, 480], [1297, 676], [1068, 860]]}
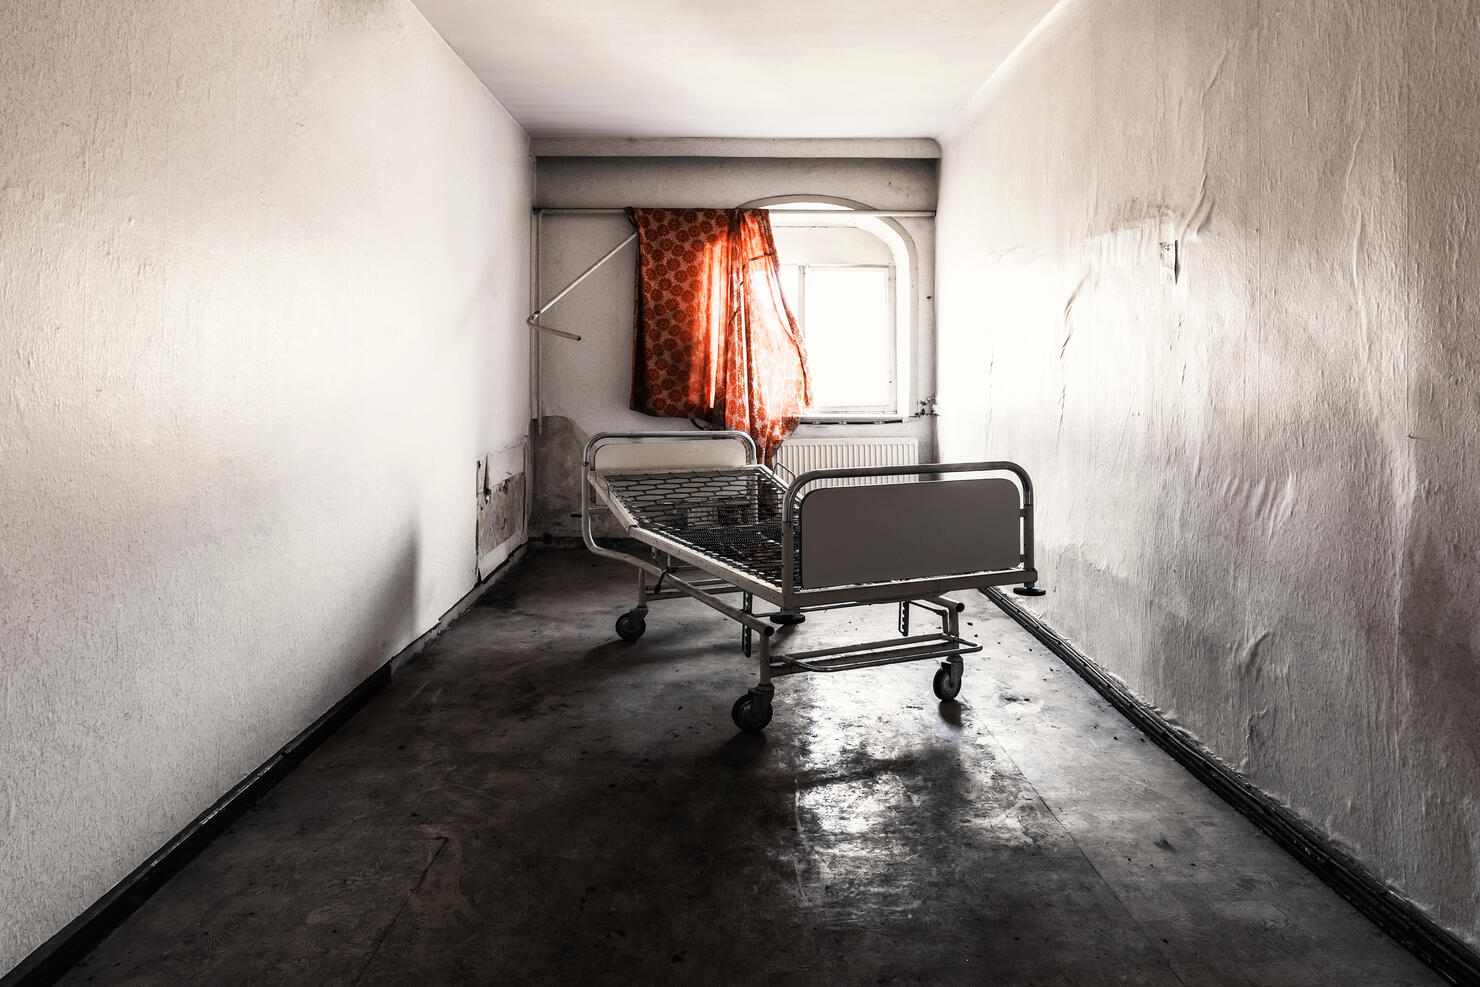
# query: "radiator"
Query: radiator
{"points": [[798, 456]]}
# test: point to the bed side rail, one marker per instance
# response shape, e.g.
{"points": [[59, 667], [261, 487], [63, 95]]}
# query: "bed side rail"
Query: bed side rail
{"points": [[884, 533]]}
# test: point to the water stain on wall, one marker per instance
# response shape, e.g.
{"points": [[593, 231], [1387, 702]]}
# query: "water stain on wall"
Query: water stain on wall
{"points": [[558, 443]]}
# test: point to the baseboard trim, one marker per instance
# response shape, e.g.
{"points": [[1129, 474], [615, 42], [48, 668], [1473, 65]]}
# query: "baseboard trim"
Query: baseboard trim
{"points": [[61, 952], [1445, 954]]}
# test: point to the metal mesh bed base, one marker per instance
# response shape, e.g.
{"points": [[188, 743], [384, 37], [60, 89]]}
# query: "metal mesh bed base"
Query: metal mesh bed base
{"points": [[732, 515]]}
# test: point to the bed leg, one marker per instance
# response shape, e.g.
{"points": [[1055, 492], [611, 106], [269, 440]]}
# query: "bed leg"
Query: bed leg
{"points": [[765, 658], [752, 711], [632, 624], [1029, 589], [787, 617]]}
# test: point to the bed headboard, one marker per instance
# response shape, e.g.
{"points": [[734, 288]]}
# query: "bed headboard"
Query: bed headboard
{"points": [[644, 451]]}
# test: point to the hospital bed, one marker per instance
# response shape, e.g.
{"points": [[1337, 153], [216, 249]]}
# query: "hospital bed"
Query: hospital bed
{"points": [[716, 523]]}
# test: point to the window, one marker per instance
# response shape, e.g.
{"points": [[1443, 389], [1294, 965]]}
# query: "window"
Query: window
{"points": [[846, 280], [846, 314]]}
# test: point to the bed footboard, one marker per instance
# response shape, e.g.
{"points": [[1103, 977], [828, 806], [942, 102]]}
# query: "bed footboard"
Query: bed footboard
{"points": [[893, 532]]}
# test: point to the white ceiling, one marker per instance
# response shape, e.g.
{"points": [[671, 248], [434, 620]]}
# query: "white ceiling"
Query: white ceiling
{"points": [[761, 68]]}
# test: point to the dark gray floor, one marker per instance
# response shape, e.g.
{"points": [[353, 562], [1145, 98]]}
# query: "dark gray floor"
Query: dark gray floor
{"points": [[536, 802]]}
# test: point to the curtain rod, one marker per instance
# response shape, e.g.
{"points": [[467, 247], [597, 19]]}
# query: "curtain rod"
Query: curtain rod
{"points": [[881, 213]]}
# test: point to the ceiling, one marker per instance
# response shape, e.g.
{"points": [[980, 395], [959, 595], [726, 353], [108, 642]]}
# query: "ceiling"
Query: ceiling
{"points": [[764, 68]]}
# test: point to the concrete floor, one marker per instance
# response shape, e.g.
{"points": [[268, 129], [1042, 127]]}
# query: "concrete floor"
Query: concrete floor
{"points": [[534, 801]]}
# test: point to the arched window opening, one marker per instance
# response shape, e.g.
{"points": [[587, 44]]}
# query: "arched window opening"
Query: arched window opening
{"points": [[847, 280]]}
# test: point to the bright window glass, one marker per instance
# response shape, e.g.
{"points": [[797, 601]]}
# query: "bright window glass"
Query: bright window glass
{"points": [[846, 314], [857, 318]]}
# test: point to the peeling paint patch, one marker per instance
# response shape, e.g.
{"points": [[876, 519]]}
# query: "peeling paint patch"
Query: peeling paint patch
{"points": [[500, 509]]}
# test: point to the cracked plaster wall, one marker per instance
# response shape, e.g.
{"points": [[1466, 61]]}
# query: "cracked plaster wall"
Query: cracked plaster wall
{"points": [[1259, 483], [263, 273]]}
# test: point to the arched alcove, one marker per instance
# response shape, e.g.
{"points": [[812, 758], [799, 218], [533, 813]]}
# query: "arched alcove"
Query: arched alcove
{"points": [[829, 238]]}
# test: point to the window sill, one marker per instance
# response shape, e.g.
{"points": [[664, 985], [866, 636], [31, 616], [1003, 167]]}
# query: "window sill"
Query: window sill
{"points": [[856, 419]]}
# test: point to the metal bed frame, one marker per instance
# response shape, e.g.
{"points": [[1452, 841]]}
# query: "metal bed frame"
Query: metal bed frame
{"points": [[716, 528]]}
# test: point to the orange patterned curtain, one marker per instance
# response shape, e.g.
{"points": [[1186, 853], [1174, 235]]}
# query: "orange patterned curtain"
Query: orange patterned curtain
{"points": [[713, 338]]}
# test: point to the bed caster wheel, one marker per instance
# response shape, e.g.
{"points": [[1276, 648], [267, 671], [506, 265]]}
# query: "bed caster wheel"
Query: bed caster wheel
{"points": [[746, 716], [947, 686], [630, 626]]}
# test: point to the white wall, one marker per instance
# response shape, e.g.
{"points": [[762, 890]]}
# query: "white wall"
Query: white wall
{"points": [[1259, 484], [586, 386], [263, 269]]}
